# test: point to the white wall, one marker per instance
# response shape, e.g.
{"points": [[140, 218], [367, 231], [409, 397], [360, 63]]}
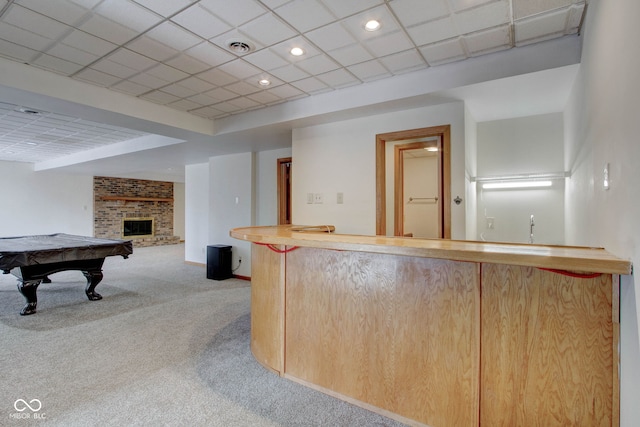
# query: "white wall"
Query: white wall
{"points": [[178, 209], [44, 202], [602, 126], [196, 178], [524, 145], [266, 185], [341, 157], [471, 170]]}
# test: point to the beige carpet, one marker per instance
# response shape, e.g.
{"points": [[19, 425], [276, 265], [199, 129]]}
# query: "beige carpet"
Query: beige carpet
{"points": [[164, 347]]}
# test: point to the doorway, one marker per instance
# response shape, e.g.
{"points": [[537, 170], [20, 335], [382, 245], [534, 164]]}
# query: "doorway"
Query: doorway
{"points": [[442, 134], [418, 189], [284, 190]]}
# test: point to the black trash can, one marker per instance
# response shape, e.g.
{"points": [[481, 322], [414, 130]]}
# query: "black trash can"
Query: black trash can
{"points": [[218, 262]]}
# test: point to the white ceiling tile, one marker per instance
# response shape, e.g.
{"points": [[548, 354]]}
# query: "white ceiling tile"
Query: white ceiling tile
{"points": [[412, 12], [311, 85], [305, 15], [16, 52], [196, 84], [221, 94], [240, 12], [58, 65], [130, 88], [148, 80], [488, 41], [370, 70], [268, 29], [128, 13], [524, 8], [447, 51], [132, 59], [330, 37], [160, 97], [208, 112], [166, 73], [165, 8], [272, 4], [287, 92], [96, 77], [200, 21], [203, 99], [22, 37], [151, 48], [188, 64], [244, 103], [107, 30], [61, 10], [541, 26], [179, 91], [264, 97], [459, 5], [88, 43], [350, 55], [432, 32], [265, 59], [483, 17], [318, 64], [389, 43], [184, 105], [217, 77], [576, 13], [210, 54], [243, 88], [34, 22], [114, 69], [289, 73], [342, 8], [173, 36], [240, 69], [403, 62], [72, 54]]}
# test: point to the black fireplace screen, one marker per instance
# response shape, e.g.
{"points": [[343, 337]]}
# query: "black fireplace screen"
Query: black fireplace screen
{"points": [[137, 227]]}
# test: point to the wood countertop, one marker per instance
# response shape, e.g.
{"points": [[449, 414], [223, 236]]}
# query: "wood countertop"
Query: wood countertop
{"points": [[569, 258]]}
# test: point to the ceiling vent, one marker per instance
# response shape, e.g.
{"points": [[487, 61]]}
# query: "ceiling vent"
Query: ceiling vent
{"points": [[29, 111], [239, 46]]}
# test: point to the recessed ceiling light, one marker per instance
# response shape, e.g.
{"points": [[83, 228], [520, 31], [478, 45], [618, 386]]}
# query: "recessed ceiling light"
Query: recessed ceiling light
{"points": [[296, 51], [264, 82], [431, 149], [32, 143], [372, 25]]}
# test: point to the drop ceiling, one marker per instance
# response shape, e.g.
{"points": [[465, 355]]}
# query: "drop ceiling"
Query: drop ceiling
{"points": [[176, 54]]}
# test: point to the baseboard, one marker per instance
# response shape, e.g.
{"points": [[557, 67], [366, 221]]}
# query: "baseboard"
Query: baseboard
{"points": [[237, 276]]}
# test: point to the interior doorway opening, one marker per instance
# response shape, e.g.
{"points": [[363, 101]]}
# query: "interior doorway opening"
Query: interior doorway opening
{"points": [[384, 178], [284, 190]]}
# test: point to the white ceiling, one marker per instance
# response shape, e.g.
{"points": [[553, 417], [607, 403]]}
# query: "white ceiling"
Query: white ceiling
{"points": [[174, 54]]}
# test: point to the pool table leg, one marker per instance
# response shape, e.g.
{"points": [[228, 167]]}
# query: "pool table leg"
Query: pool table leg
{"points": [[93, 278], [28, 290]]}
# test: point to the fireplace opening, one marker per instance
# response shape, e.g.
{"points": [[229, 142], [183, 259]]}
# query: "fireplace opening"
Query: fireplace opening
{"points": [[137, 227]]}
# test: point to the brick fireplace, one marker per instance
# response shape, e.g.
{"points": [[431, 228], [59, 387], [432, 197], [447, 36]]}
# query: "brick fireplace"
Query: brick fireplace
{"points": [[117, 200]]}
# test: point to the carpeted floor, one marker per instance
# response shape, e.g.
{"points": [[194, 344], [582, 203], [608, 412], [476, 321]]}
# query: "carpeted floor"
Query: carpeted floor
{"points": [[164, 347]]}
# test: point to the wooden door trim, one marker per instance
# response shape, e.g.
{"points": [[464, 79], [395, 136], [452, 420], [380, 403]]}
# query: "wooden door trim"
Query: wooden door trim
{"points": [[282, 191], [444, 132], [398, 192]]}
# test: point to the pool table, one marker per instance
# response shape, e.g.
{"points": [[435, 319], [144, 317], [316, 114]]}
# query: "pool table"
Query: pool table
{"points": [[33, 258]]}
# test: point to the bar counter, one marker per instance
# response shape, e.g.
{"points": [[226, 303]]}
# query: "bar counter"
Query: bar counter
{"points": [[440, 332]]}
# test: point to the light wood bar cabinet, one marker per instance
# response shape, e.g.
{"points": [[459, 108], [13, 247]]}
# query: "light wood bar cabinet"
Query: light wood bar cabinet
{"points": [[440, 332]]}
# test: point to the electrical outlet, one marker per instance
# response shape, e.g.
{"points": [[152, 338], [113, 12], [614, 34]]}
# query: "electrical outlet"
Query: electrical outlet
{"points": [[309, 198], [317, 198]]}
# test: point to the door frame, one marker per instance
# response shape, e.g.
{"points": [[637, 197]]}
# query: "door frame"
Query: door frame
{"points": [[398, 191], [284, 192], [444, 132]]}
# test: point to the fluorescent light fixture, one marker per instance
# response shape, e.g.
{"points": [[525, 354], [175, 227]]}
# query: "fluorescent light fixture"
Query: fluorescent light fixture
{"points": [[516, 184]]}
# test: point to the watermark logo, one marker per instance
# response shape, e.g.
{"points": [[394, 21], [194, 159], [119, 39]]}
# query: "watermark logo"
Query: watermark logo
{"points": [[28, 410]]}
